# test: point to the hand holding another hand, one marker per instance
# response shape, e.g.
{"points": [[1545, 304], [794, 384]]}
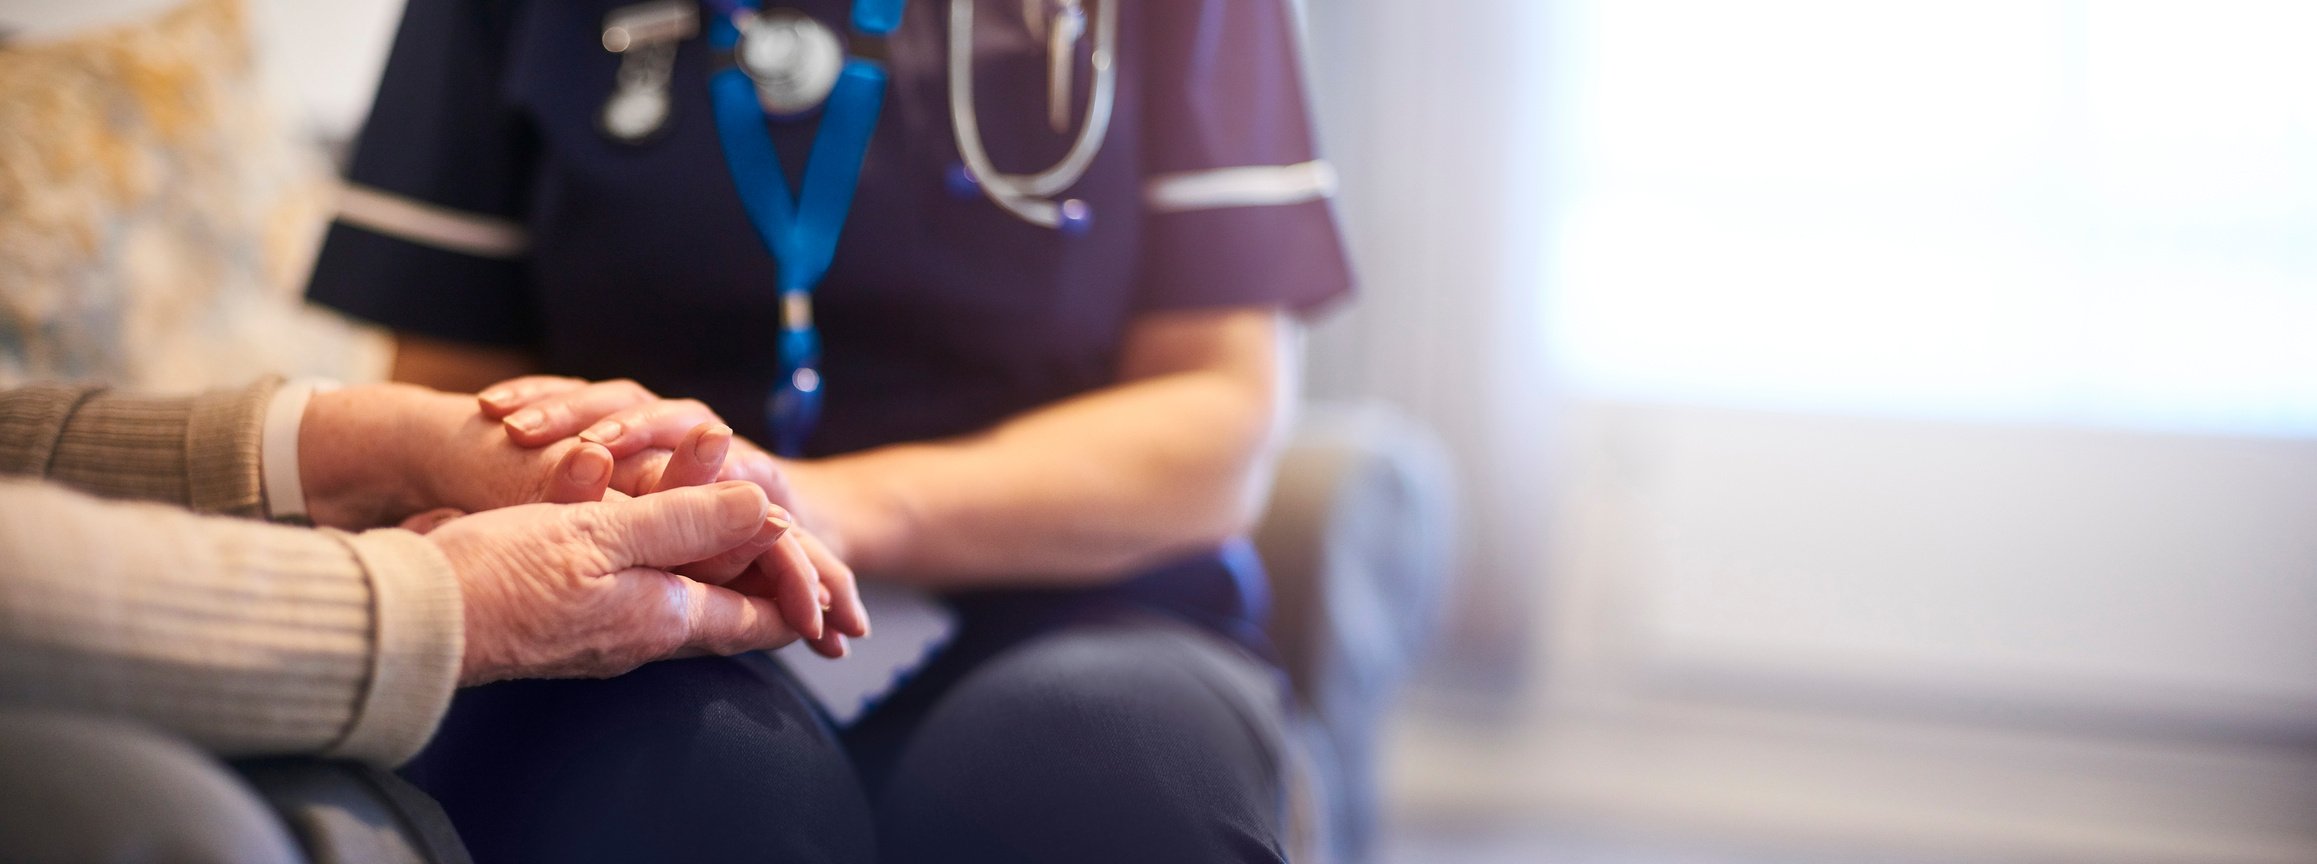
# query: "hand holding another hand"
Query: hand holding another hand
{"points": [[815, 591], [635, 424], [590, 590], [398, 454], [378, 454], [648, 438]]}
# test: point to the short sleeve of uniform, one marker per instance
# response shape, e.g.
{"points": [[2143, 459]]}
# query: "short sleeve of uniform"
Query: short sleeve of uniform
{"points": [[1238, 200], [428, 236]]}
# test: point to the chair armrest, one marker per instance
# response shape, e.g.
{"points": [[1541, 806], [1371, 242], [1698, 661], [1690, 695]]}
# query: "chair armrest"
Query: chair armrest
{"points": [[1357, 540]]}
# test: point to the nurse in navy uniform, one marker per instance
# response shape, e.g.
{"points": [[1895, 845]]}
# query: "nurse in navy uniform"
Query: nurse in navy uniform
{"points": [[1040, 380]]}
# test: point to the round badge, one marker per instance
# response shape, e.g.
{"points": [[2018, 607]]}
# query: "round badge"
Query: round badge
{"points": [[794, 60], [632, 114]]}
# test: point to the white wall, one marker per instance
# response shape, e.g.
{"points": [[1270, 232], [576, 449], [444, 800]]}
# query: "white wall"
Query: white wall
{"points": [[1839, 638], [324, 57], [2104, 581], [1862, 638], [1429, 111]]}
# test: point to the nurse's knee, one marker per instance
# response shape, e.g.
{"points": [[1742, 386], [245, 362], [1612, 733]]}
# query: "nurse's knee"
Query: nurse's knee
{"points": [[84, 788], [1108, 743]]}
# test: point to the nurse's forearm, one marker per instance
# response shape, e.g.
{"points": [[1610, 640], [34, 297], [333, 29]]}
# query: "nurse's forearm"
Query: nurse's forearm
{"points": [[456, 367], [1175, 459]]}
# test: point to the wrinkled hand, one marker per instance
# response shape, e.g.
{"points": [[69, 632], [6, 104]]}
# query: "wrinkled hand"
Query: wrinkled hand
{"points": [[650, 438], [587, 590]]}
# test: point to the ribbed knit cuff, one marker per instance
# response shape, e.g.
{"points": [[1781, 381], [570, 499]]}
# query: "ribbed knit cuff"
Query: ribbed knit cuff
{"points": [[31, 420], [419, 629], [193, 451], [223, 461]]}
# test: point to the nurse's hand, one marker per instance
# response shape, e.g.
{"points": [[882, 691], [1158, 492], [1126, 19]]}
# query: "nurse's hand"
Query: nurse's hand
{"points": [[638, 425], [643, 432], [816, 591], [377, 454]]}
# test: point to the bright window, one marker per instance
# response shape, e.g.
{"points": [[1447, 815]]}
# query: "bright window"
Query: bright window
{"points": [[2091, 212]]}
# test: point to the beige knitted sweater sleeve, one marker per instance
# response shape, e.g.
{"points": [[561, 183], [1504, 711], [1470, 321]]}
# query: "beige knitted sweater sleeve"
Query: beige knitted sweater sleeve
{"points": [[246, 637]]}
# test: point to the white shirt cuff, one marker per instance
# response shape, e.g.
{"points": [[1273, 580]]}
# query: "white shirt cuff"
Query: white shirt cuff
{"points": [[285, 415]]}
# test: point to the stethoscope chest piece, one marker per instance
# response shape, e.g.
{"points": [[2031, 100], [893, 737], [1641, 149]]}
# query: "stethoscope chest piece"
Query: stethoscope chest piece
{"points": [[794, 59]]}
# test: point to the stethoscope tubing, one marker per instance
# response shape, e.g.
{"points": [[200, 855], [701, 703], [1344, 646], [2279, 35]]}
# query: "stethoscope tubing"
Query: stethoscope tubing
{"points": [[1029, 196]]}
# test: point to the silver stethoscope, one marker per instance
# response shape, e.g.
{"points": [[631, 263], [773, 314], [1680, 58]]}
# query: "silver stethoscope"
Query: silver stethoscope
{"points": [[1034, 196], [795, 61]]}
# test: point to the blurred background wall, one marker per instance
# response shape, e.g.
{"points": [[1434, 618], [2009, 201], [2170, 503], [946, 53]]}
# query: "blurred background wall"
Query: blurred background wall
{"points": [[162, 192], [1886, 431], [1886, 427]]}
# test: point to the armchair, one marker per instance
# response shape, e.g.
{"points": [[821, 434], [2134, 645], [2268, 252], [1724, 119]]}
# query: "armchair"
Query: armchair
{"points": [[1358, 542]]}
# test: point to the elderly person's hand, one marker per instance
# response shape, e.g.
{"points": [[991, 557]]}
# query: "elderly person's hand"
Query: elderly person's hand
{"points": [[646, 435], [586, 590], [394, 453]]}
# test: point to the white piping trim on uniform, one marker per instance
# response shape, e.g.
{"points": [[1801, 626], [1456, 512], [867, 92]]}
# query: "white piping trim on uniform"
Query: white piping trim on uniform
{"points": [[1243, 186], [430, 225]]}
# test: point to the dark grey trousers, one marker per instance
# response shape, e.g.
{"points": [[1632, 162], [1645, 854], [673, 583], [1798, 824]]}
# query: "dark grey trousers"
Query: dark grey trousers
{"points": [[1119, 741], [1125, 740], [85, 790]]}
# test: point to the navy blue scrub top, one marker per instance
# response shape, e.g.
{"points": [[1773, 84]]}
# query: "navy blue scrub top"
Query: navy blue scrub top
{"points": [[485, 206]]}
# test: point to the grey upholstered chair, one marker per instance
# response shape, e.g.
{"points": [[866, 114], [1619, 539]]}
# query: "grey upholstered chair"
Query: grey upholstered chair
{"points": [[1357, 539]]}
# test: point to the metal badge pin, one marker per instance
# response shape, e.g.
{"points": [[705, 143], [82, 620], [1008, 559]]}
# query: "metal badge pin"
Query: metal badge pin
{"points": [[645, 37], [794, 59], [639, 105]]}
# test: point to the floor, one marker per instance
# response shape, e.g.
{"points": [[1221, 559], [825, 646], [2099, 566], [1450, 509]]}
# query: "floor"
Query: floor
{"points": [[1572, 845]]}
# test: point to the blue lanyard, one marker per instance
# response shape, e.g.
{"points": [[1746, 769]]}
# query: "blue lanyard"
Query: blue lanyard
{"points": [[800, 231]]}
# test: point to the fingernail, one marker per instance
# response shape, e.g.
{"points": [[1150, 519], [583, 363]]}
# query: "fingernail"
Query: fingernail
{"points": [[816, 627], [501, 394], [779, 520], [768, 533], [604, 432], [527, 420], [743, 505], [588, 472], [822, 592], [713, 445]]}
